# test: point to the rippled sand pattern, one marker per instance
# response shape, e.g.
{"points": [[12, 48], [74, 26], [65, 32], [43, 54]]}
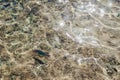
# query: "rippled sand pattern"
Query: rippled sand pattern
{"points": [[81, 37]]}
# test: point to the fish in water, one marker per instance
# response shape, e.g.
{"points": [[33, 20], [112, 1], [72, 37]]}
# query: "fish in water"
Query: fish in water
{"points": [[4, 0], [5, 6], [38, 61], [41, 53], [50, 0]]}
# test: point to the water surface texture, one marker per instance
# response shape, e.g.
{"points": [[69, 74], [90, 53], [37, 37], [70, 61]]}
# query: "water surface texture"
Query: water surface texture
{"points": [[59, 39]]}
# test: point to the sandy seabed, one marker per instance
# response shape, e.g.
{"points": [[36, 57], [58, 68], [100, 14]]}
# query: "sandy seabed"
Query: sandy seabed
{"points": [[81, 37]]}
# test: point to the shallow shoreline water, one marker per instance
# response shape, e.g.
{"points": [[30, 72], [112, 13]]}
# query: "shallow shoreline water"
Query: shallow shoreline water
{"points": [[81, 37]]}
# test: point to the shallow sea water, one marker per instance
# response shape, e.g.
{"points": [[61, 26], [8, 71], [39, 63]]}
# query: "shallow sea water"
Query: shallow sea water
{"points": [[81, 39]]}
